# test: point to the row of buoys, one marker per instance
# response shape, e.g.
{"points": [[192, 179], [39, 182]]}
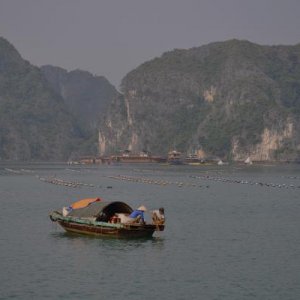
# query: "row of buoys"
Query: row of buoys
{"points": [[228, 180], [57, 181], [291, 177], [27, 171], [72, 170], [146, 171], [13, 171], [153, 181], [21, 171]]}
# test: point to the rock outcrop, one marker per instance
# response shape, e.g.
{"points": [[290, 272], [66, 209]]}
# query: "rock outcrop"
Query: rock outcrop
{"points": [[231, 100], [34, 121]]}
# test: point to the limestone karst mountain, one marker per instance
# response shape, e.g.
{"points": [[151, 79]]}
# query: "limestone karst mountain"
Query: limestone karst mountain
{"points": [[34, 121], [230, 99], [87, 96]]}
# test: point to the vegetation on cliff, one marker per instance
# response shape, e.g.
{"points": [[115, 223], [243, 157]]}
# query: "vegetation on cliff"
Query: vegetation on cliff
{"points": [[220, 98], [86, 96], [48, 113], [34, 121], [230, 99]]}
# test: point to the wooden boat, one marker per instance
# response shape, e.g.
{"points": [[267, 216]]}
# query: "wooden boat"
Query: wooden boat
{"points": [[143, 157], [248, 161], [101, 218], [193, 160], [174, 158]]}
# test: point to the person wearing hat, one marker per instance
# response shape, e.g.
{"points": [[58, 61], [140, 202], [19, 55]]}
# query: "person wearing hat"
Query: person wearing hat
{"points": [[138, 214], [158, 216]]}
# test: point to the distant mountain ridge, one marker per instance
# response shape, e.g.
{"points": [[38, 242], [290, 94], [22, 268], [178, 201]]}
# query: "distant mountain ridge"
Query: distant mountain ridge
{"points": [[48, 113], [34, 122], [230, 99], [86, 96]]}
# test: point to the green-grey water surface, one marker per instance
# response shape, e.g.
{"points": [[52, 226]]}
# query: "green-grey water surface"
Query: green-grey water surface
{"points": [[232, 232]]}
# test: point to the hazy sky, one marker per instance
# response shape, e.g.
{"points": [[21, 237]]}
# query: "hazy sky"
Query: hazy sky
{"points": [[111, 37]]}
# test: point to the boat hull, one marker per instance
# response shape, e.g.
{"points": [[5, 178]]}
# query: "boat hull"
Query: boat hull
{"points": [[108, 231], [117, 230]]}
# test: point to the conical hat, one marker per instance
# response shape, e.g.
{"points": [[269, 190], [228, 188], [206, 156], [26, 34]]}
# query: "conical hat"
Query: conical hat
{"points": [[142, 208]]}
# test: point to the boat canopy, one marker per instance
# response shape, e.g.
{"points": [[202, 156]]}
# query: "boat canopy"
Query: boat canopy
{"points": [[101, 210], [84, 203]]}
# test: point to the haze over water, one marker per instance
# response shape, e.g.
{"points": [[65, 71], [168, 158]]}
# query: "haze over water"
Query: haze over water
{"points": [[232, 232]]}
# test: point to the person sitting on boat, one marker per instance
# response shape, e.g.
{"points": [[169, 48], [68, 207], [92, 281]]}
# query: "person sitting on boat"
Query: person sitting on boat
{"points": [[158, 216], [137, 215], [66, 210]]}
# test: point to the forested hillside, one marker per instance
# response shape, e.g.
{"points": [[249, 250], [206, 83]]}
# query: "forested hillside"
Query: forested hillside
{"points": [[230, 99], [86, 96]]}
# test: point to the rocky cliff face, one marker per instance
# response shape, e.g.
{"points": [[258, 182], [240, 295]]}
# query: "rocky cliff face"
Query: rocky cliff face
{"points": [[34, 122], [231, 100], [86, 96]]}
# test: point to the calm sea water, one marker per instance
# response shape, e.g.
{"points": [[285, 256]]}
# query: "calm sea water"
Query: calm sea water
{"points": [[232, 233]]}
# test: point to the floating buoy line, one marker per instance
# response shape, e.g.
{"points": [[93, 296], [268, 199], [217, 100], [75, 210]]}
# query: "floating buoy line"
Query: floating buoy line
{"points": [[73, 170], [21, 171], [291, 177], [58, 181], [159, 182], [203, 177], [54, 180], [237, 181], [13, 171], [153, 181]]}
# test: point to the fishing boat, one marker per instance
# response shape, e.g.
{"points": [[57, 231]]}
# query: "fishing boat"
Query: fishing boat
{"points": [[142, 157], [248, 161], [101, 218], [175, 158], [220, 162], [193, 160]]}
